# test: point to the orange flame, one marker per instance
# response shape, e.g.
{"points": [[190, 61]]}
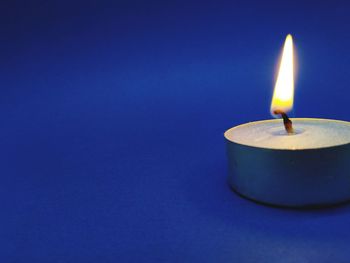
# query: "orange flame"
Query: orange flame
{"points": [[283, 95]]}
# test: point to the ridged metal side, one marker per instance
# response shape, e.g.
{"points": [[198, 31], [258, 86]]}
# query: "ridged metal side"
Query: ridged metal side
{"points": [[293, 178]]}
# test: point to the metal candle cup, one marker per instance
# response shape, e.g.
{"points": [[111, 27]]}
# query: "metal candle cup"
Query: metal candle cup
{"points": [[309, 168]]}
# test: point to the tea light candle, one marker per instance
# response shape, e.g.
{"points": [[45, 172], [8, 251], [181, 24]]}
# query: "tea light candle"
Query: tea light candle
{"points": [[309, 168], [303, 164]]}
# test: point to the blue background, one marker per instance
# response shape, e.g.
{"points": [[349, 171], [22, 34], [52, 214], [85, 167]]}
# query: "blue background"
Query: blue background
{"points": [[112, 122]]}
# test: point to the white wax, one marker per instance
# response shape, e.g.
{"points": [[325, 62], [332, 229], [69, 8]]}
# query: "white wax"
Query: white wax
{"points": [[309, 134]]}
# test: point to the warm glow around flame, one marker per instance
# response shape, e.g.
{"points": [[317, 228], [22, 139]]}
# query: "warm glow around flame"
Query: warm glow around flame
{"points": [[283, 94]]}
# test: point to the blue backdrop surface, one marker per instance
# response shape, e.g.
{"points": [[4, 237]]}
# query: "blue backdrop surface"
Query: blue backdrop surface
{"points": [[112, 122]]}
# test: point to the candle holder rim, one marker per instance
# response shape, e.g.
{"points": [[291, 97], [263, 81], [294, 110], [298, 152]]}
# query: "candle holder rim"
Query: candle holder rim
{"points": [[282, 149]]}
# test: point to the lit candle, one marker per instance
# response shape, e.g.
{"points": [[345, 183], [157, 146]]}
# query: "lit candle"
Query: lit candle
{"points": [[295, 162]]}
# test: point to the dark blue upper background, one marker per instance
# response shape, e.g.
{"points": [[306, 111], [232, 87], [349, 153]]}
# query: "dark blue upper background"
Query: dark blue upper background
{"points": [[112, 121]]}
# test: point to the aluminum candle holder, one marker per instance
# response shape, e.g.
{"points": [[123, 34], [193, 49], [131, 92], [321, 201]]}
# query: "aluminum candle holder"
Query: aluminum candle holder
{"points": [[290, 170]]}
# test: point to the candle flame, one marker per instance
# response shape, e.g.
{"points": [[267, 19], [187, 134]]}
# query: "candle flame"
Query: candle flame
{"points": [[283, 95]]}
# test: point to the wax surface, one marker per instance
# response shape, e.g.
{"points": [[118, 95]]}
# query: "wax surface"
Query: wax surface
{"points": [[310, 134]]}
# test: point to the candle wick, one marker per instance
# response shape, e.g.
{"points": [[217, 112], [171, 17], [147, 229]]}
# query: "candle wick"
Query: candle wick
{"points": [[288, 125]]}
